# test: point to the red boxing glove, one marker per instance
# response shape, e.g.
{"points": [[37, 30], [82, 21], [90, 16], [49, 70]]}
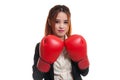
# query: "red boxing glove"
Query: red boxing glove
{"points": [[77, 49], [50, 48]]}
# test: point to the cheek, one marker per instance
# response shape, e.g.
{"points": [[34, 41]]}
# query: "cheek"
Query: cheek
{"points": [[56, 27], [67, 28]]}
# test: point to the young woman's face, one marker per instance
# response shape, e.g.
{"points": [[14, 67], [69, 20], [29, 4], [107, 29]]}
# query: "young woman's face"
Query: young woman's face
{"points": [[61, 25]]}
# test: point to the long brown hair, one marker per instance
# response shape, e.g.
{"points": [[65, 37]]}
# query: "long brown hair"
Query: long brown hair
{"points": [[50, 23]]}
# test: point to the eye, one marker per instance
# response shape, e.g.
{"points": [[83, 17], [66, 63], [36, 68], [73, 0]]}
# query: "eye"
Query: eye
{"points": [[66, 22], [57, 21]]}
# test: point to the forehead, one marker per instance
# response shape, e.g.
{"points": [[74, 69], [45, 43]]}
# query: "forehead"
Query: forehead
{"points": [[61, 15]]}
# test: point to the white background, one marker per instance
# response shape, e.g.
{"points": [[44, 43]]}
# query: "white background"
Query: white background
{"points": [[22, 25]]}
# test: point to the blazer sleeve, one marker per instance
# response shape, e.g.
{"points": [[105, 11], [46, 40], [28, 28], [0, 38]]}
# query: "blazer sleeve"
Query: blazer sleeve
{"points": [[37, 75], [80, 71], [84, 72]]}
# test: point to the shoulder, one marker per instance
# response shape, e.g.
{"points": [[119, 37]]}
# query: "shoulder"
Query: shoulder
{"points": [[37, 46]]}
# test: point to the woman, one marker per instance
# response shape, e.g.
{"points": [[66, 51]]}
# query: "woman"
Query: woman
{"points": [[62, 66]]}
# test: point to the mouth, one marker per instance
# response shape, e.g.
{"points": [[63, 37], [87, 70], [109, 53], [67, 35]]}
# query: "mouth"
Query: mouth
{"points": [[61, 30]]}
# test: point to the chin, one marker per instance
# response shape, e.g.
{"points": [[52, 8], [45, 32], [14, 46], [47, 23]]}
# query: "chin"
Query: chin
{"points": [[61, 35]]}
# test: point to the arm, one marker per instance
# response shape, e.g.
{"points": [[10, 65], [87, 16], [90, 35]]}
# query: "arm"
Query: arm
{"points": [[50, 48], [77, 51], [37, 75]]}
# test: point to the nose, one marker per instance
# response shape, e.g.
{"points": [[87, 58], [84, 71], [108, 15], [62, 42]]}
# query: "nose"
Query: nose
{"points": [[61, 26]]}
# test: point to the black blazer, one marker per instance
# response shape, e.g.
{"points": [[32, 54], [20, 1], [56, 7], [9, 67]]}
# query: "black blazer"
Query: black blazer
{"points": [[37, 75]]}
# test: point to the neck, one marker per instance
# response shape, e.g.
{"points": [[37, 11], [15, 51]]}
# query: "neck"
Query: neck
{"points": [[62, 38]]}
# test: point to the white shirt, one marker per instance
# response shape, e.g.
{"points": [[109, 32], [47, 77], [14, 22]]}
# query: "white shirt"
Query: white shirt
{"points": [[62, 67]]}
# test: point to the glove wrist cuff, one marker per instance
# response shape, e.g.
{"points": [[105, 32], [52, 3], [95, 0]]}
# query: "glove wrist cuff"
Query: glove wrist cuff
{"points": [[83, 64], [43, 66]]}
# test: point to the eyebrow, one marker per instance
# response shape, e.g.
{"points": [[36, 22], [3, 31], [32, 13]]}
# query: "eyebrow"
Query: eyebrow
{"points": [[59, 19], [65, 20]]}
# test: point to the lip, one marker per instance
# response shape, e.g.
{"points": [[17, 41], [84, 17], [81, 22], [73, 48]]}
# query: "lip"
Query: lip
{"points": [[61, 30]]}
